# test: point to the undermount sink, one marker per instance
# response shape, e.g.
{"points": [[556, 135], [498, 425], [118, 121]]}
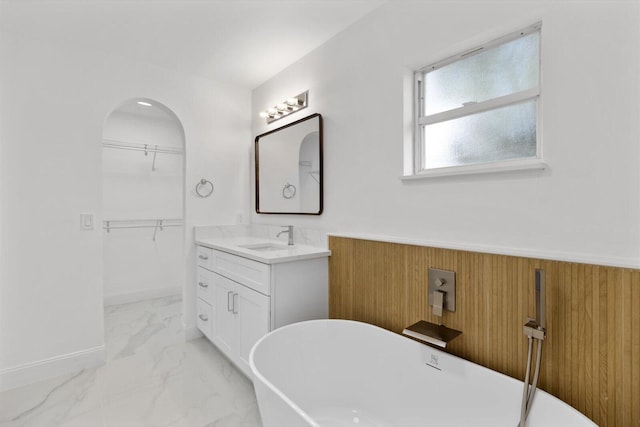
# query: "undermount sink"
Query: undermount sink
{"points": [[265, 247]]}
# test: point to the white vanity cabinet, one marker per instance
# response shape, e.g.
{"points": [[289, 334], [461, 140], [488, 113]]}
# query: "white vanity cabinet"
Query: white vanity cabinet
{"points": [[204, 306], [242, 317], [241, 299]]}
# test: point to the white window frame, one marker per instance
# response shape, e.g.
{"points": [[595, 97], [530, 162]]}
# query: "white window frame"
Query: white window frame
{"points": [[420, 119]]}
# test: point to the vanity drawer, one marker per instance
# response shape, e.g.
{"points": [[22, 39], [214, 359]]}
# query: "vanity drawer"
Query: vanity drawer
{"points": [[250, 273], [204, 285], [204, 257], [205, 318]]}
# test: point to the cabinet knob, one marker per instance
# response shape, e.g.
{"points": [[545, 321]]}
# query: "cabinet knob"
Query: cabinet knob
{"points": [[203, 317], [204, 257], [203, 285]]}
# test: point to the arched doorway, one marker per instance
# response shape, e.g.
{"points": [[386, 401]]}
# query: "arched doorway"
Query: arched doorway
{"points": [[143, 202]]}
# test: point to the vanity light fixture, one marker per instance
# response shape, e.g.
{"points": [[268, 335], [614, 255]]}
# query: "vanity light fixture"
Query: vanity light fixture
{"points": [[291, 105]]}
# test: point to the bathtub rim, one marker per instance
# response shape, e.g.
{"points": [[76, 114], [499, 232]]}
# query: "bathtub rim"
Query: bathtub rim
{"points": [[256, 373], [310, 420]]}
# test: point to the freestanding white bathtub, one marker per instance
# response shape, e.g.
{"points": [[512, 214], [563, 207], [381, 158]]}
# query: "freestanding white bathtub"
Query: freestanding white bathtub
{"points": [[335, 373]]}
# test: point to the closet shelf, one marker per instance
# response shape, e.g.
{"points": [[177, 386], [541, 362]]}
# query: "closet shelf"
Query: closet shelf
{"points": [[146, 148], [313, 174], [156, 224]]}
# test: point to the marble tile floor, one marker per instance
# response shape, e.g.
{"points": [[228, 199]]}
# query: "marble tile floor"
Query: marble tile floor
{"points": [[152, 377]]}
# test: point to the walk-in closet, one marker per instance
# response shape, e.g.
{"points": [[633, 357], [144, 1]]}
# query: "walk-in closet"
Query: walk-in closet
{"points": [[143, 202]]}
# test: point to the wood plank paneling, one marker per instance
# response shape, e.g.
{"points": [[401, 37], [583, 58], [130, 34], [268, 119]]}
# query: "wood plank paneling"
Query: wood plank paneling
{"points": [[591, 357], [635, 347]]}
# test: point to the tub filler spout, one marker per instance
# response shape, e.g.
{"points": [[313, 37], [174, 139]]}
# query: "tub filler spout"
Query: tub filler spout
{"points": [[431, 333]]}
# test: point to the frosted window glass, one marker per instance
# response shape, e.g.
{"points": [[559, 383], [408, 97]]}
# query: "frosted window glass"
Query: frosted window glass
{"points": [[508, 68], [501, 134]]}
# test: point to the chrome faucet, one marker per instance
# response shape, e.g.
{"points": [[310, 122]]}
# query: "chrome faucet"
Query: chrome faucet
{"points": [[287, 229]]}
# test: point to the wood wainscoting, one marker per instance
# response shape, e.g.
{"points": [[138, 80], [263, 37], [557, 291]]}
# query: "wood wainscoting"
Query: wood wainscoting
{"points": [[591, 356]]}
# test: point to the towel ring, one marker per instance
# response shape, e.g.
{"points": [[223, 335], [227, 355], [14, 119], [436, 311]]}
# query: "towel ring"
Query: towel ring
{"points": [[288, 191], [203, 182]]}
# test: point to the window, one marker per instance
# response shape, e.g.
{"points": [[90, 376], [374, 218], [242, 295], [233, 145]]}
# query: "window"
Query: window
{"points": [[478, 111]]}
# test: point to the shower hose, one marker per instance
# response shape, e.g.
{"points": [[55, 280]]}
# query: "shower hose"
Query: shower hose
{"points": [[530, 389]]}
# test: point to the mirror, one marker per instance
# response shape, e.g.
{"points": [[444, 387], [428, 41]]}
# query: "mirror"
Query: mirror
{"points": [[289, 168]]}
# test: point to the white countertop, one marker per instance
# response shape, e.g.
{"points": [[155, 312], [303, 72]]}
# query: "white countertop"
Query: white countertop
{"points": [[282, 253]]}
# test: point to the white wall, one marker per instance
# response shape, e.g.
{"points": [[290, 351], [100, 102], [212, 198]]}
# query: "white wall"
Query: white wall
{"points": [[309, 173], [137, 266], [53, 107], [131, 189], [586, 206]]}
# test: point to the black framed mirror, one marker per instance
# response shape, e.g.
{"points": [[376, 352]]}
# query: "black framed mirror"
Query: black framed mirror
{"points": [[288, 167]]}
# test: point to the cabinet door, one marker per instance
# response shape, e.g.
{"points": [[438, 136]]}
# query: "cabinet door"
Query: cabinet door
{"points": [[223, 327], [252, 319]]}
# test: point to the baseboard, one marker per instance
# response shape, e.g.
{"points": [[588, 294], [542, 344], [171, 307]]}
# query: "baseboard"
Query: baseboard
{"points": [[142, 295], [49, 368], [191, 332]]}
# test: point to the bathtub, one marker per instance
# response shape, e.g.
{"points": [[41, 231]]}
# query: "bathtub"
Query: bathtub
{"points": [[327, 373]]}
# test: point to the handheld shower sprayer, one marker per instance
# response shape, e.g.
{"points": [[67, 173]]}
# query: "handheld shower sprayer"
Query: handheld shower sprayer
{"points": [[534, 329], [540, 299]]}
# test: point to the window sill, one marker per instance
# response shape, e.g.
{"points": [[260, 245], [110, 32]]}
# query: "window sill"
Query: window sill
{"points": [[494, 167]]}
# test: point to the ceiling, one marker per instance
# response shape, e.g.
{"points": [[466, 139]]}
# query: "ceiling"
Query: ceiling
{"points": [[241, 42]]}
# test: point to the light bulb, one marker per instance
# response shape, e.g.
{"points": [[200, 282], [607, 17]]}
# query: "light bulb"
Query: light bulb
{"points": [[264, 114], [293, 101]]}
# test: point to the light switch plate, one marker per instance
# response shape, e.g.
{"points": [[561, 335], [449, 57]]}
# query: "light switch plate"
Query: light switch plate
{"points": [[86, 221], [449, 287]]}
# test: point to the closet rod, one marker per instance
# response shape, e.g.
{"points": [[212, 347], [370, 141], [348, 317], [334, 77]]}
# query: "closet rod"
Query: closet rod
{"points": [[157, 224], [141, 223], [147, 148], [114, 227], [144, 220]]}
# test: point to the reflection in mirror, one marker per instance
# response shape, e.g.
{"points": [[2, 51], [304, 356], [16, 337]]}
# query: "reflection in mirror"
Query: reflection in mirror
{"points": [[289, 168]]}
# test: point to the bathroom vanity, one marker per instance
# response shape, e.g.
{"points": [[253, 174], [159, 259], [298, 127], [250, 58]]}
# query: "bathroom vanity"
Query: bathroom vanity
{"points": [[247, 287]]}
